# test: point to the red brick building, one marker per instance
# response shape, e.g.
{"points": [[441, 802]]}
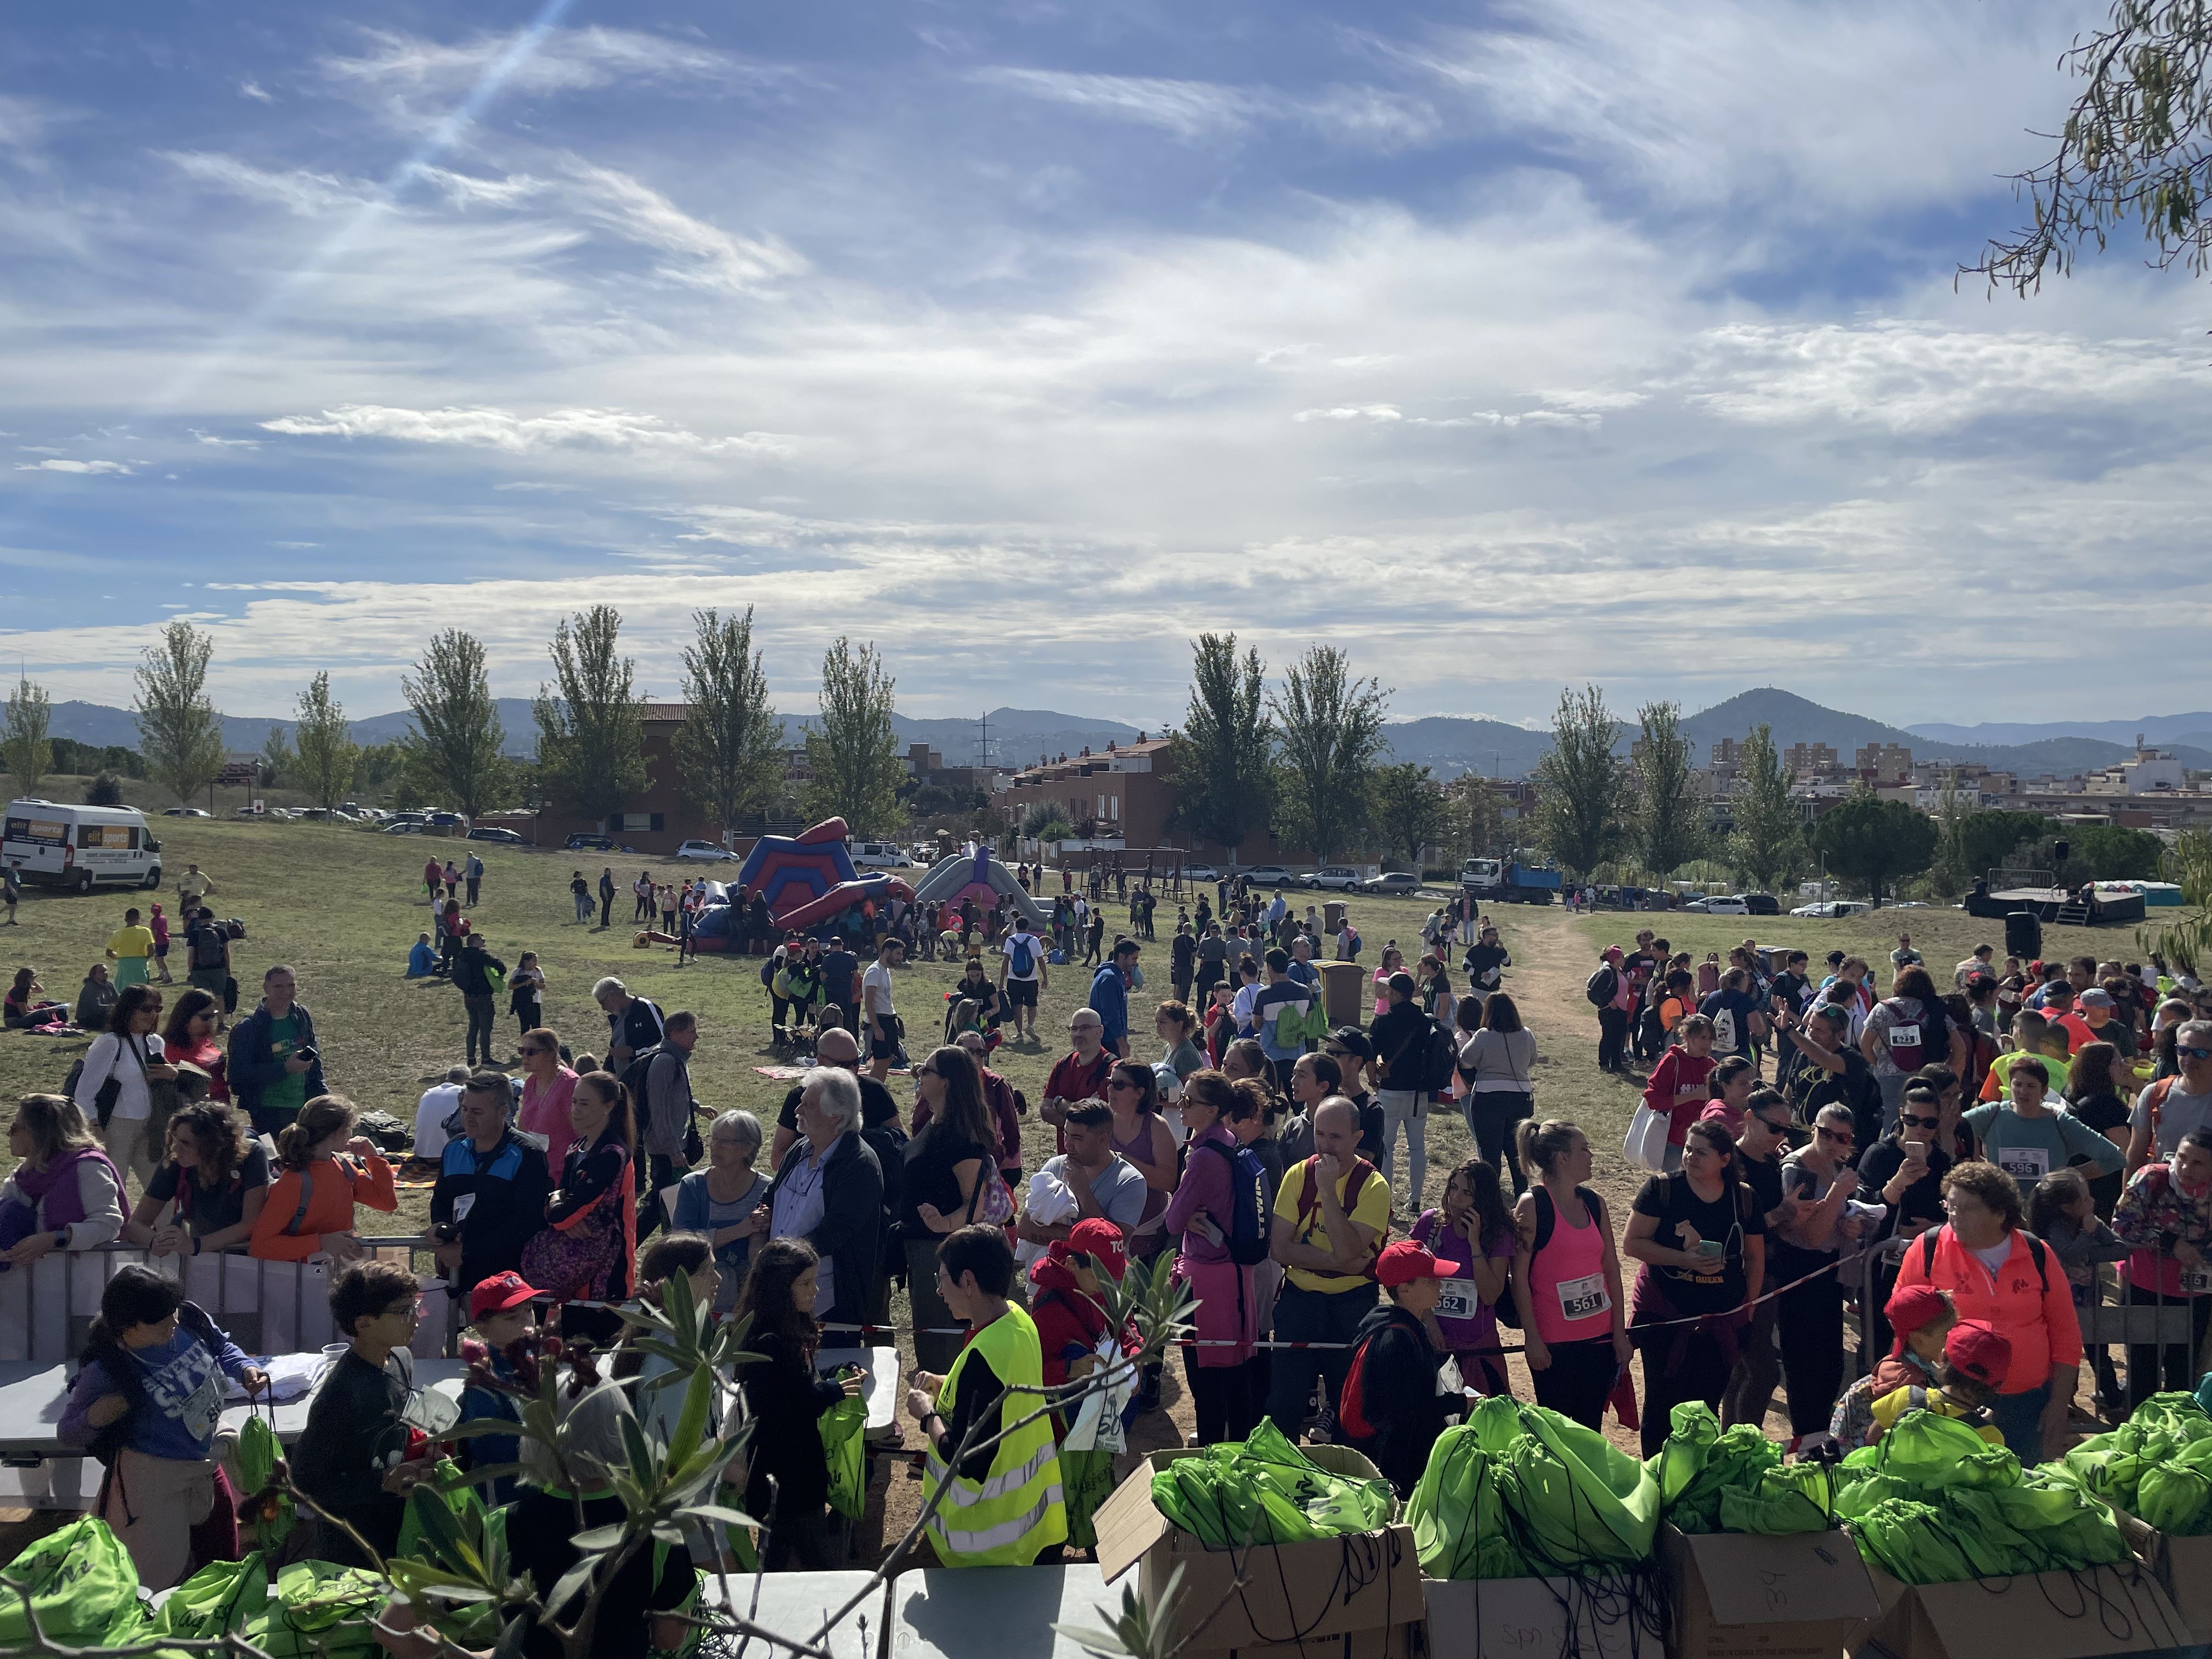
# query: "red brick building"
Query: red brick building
{"points": [[1128, 792]]}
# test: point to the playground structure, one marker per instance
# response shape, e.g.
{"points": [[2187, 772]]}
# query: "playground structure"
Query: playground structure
{"points": [[981, 877], [809, 883]]}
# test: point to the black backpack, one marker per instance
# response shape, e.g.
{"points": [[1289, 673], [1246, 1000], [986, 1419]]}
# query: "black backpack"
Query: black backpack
{"points": [[1440, 1059], [633, 1079], [1547, 1216], [1599, 990]]}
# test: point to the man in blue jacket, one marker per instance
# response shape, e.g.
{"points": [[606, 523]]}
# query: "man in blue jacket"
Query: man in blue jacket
{"points": [[1109, 995], [492, 1187], [275, 1068]]}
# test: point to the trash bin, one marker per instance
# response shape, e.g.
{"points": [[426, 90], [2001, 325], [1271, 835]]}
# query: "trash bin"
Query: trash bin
{"points": [[1343, 991], [1332, 915]]}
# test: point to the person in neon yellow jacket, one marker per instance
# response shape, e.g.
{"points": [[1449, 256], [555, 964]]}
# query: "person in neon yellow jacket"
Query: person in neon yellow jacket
{"points": [[1001, 1505]]}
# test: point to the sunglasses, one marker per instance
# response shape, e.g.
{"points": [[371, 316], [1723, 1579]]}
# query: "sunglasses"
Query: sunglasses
{"points": [[1124, 1083], [1779, 1125], [2195, 1054], [927, 1071], [1923, 1123], [1841, 1136]]}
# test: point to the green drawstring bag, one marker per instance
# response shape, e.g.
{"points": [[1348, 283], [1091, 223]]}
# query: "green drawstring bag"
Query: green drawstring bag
{"points": [[256, 1456], [1789, 1497], [82, 1580], [465, 1503], [1937, 1454], [844, 1429], [1855, 1498], [216, 1600], [1906, 1540], [1700, 1461], [320, 1611], [1460, 1525], [1265, 1490], [2157, 1466], [1580, 1499]]}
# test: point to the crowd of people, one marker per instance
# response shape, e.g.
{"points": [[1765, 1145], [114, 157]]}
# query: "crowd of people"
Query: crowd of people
{"points": [[1998, 1141]]}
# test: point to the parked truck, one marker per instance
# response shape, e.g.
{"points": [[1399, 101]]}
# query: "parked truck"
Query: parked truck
{"points": [[1520, 880]]}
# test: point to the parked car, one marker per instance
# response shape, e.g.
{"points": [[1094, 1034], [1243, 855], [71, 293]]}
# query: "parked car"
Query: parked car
{"points": [[186, 812], [445, 820], [1392, 881], [1830, 907], [1270, 875], [866, 855], [709, 852], [403, 828], [1339, 877], [1200, 873], [504, 837], [1719, 904], [1761, 904], [583, 841]]}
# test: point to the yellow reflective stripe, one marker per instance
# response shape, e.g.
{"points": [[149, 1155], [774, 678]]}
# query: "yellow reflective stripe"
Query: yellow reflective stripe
{"points": [[1006, 1483], [1007, 1532]]}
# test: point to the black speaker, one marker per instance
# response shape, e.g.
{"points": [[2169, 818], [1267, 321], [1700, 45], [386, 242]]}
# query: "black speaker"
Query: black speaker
{"points": [[2024, 935], [2058, 851]]}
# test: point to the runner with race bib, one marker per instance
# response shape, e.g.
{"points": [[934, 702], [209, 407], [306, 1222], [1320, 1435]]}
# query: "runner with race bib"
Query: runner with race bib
{"points": [[2027, 1137]]}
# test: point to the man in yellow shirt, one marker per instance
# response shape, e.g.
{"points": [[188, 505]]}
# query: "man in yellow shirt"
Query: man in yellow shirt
{"points": [[129, 947], [1332, 1218]]}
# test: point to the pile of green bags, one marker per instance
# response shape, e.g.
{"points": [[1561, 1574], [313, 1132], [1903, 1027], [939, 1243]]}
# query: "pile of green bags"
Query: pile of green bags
{"points": [[1264, 1490], [1933, 1503], [1520, 1492], [84, 1590], [1716, 1479], [2157, 1466], [319, 1610], [221, 1597]]}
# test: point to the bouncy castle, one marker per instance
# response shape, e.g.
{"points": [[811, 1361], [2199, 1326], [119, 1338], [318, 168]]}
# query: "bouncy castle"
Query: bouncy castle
{"points": [[808, 882], [978, 876]]}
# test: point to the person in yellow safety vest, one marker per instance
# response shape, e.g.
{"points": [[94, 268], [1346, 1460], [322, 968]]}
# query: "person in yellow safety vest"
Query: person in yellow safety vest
{"points": [[1002, 1505]]}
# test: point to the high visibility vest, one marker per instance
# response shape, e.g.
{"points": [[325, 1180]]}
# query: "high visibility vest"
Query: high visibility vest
{"points": [[1005, 1519]]}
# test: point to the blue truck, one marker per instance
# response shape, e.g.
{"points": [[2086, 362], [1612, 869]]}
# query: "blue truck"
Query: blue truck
{"points": [[1520, 880]]}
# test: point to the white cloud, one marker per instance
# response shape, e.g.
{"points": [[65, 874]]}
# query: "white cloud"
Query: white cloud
{"points": [[1912, 376], [463, 190], [701, 254], [565, 61], [295, 190], [254, 90], [1188, 109], [65, 466], [1377, 412], [519, 435], [213, 442]]}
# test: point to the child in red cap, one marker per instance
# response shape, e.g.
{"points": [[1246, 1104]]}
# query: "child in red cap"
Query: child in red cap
{"points": [[1922, 1318], [1390, 1409], [1975, 1355], [501, 1314], [1071, 1323]]}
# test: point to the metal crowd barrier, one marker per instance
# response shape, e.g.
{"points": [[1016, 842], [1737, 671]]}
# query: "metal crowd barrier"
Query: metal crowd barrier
{"points": [[267, 1307]]}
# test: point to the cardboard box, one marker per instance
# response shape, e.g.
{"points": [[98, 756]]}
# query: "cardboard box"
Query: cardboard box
{"points": [[1408, 1641], [1742, 1595], [2183, 1567], [2052, 1615], [1292, 1593], [1533, 1618]]}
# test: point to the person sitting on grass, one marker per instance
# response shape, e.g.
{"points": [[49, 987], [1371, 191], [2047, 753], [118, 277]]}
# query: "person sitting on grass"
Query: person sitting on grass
{"points": [[147, 1400], [421, 959], [501, 1313], [310, 1210], [1390, 1409], [352, 1460]]}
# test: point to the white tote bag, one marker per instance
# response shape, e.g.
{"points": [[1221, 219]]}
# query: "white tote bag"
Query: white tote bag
{"points": [[1646, 1144]]}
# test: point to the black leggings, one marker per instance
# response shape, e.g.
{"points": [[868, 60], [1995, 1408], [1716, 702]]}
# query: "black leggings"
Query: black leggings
{"points": [[1490, 1116], [1701, 1373], [1579, 1380], [1612, 1037], [1809, 1321], [1226, 1400]]}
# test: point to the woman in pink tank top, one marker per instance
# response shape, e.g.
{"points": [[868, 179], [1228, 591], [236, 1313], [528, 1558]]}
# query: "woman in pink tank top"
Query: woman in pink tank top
{"points": [[1566, 1277]]}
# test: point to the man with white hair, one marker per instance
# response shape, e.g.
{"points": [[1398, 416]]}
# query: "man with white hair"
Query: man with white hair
{"points": [[633, 1024], [830, 1192], [2173, 1106]]}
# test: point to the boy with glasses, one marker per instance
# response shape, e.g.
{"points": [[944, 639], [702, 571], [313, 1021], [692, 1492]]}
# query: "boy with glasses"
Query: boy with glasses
{"points": [[352, 1457]]}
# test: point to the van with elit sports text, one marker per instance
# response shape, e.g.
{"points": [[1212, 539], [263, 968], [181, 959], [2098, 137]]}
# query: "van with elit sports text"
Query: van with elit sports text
{"points": [[53, 844]]}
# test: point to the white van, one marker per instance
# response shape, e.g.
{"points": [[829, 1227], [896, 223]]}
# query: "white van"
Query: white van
{"points": [[56, 845], [880, 855]]}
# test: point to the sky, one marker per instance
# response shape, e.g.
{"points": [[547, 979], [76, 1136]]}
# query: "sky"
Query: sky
{"points": [[1504, 345]]}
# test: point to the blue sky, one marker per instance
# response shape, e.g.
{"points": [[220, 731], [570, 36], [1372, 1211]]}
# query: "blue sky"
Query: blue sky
{"points": [[1504, 345]]}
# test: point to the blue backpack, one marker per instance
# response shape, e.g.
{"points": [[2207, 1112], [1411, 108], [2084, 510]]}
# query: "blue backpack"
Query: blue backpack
{"points": [[1246, 1235], [1021, 960]]}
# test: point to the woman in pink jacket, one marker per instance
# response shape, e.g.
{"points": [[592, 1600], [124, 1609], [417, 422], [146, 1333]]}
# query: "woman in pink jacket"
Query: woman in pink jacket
{"points": [[1227, 1392]]}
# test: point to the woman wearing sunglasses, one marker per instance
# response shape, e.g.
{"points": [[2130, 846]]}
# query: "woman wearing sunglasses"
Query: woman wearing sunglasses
{"points": [[1808, 1318]]}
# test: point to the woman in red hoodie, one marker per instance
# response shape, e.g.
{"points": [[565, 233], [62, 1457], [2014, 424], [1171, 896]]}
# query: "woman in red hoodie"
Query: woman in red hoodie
{"points": [[1679, 1083], [1071, 1323]]}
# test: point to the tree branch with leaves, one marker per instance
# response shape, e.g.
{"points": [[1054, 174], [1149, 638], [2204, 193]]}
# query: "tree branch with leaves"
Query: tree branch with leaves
{"points": [[1222, 757], [852, 748], [590, 722], [1329, 723], [730, 747], [452, 750], [1580, 784], [179, 733], [25, 744]]}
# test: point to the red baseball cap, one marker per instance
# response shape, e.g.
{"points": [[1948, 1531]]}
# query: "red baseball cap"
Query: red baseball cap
{"points": [[1405, 1261], [1099, 1240], [1979, 1350], [498, 1293], [1913, 1307]]}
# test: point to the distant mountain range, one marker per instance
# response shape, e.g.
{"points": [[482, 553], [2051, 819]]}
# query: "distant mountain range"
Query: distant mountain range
{"points": [[1451, 744]]}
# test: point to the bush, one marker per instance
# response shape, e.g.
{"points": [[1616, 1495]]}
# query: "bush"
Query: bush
{"points": [[105, 790]]}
